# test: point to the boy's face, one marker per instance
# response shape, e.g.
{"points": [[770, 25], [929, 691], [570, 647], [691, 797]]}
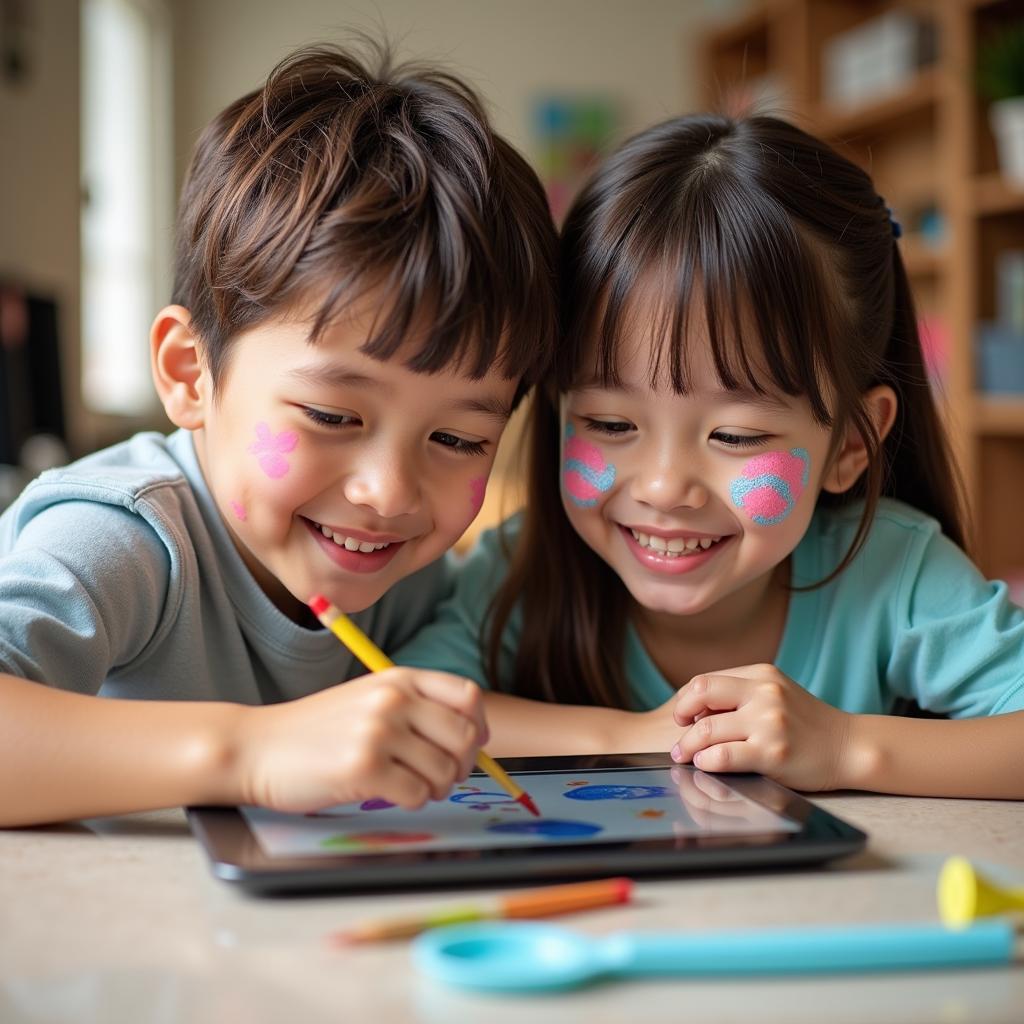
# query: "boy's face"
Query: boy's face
{"points": [[340, 474]]}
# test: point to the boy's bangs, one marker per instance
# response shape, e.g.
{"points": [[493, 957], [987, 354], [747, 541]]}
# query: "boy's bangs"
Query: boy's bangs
{"points": [[739, 270]]}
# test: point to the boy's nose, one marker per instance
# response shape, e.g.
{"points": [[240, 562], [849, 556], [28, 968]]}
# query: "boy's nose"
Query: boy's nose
{"points": [[385, 482]]}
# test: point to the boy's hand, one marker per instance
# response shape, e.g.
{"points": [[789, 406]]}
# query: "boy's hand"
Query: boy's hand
{"points": [[755, 719], [405, 735]]}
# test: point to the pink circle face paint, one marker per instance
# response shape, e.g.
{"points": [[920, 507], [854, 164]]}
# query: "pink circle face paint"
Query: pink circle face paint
{"points": [[270, 449], [239, 509], [477, 492], [770, 484], [585, 473]]}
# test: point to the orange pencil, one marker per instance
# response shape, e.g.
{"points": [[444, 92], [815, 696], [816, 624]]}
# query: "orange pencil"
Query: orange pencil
{"points": [[546, 902], [376, 661]]}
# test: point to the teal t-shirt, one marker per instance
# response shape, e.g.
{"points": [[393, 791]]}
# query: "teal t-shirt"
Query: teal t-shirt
{"points": [[911, 617]]}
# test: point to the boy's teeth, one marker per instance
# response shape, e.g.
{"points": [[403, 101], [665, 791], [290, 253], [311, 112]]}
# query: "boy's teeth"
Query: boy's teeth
{"points": [[675, 545], [350, 543]]}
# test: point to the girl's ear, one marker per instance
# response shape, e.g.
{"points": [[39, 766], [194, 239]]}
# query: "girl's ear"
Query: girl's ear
{"points": [[177, 366], [850, 461]]}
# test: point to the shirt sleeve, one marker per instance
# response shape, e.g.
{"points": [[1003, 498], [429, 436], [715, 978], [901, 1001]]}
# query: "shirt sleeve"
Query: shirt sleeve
{"points": [[82, 591], [452, 642], [959, 644]]}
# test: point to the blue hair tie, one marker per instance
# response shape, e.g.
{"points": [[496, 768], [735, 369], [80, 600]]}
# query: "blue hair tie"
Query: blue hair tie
{"points": [[897, 231]]}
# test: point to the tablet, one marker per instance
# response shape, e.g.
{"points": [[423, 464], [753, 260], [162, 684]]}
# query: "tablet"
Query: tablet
{"points": [[600, 815]]}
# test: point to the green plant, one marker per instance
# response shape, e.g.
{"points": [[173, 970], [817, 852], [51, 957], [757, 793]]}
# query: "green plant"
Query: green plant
{"points": [[1000, 71]]}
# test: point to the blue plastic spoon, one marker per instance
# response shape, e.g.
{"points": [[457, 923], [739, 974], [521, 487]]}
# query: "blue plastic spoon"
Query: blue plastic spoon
{"points": [[527, 957]]}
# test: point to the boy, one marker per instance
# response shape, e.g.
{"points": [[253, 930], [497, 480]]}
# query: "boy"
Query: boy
{"points": [[363, 291]]}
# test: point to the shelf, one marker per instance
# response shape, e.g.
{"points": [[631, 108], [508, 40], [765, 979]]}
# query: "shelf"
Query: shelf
{"points": [[922, 260], [919, 97], [993, 194], [1000, 416]]}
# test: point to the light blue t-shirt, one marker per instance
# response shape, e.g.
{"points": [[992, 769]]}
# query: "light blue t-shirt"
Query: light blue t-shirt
{"points": [[119, 577], [911, 618]]}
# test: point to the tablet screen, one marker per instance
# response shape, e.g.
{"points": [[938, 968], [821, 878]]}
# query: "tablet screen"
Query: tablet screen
{"points": [[577, 807]]}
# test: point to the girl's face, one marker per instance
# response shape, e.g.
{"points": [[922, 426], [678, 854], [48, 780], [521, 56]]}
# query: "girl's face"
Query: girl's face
{"points": [[689, 498], [340, 474]]}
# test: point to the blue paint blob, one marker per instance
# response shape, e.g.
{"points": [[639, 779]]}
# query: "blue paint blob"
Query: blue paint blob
{"points": [[550, 829], [619, 793], [481, 801]]}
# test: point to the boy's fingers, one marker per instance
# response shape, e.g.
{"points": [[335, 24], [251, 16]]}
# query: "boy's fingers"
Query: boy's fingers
{"points": [[436, 767], [402, 786], [448, 731], [458, 693], [708, 693]]}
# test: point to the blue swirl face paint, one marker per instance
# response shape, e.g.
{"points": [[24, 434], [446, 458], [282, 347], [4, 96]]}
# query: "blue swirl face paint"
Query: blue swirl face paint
{"points": [[585, 473], [770, 484]]}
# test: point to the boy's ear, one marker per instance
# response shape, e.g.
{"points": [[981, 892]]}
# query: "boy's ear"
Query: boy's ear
{"points": [[178, 373], [850, 461]]}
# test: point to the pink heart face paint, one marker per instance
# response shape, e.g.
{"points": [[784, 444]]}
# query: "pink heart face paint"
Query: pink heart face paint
{"points": [[239, 510], [477, 491], [271, 448], [770, 484], [585, 473]]}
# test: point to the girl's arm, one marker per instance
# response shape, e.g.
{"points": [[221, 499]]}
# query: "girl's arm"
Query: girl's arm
{"points": [[528, 728], [976, 757]]}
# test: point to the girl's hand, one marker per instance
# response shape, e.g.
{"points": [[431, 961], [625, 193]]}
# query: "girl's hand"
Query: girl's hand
{"points": [[404, 735], [755, 719]]}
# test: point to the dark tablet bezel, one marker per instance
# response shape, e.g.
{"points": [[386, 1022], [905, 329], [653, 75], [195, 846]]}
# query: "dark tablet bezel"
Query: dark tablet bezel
{"points": [[236, 856]]}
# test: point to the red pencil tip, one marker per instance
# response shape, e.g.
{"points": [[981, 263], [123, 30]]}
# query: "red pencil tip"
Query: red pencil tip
{"points": [[524, 799], [319, 604]]}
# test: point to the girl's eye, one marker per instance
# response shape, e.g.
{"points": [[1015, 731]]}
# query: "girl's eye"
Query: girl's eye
{"points": [[608, 427], [741, 440], [459, 444], [328, 419]]}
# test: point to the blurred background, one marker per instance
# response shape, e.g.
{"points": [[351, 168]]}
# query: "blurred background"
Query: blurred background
{"points": [[101, 102]]}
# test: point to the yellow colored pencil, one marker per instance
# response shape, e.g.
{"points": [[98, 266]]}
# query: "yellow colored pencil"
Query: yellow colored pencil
{"points": [[376, 661]]}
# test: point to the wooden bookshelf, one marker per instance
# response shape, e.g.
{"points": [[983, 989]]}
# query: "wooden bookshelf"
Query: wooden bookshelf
{"points": [[927, 145]]}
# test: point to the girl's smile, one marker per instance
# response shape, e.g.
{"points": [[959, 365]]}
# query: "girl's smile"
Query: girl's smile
{"points": [[672, 553]]}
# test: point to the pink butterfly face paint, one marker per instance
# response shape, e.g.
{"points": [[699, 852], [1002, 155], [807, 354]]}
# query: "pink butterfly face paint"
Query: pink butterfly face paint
{"points": [[240, 512], [270, 449], [770, 484], [477, 491], [585, 473]]}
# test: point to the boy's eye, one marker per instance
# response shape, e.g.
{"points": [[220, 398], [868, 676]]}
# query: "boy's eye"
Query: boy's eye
{"points": [[740, 440], [328, 419], [612, 427], [459, 444]]}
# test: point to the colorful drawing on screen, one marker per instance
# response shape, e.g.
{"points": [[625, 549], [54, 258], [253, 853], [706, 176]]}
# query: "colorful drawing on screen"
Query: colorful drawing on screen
{"points": [[480, 801], [620, 793], [550, 828], [375, 804], [375, 840]]}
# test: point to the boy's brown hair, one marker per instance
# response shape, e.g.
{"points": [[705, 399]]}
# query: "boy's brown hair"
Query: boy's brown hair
{"points": [[342, 177]]}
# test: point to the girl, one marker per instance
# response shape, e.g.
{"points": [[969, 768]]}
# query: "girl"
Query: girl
{"points": [[743, 540]]}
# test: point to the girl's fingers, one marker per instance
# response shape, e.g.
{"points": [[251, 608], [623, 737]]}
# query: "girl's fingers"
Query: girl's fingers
{"points": [[709, 693], [737, 756], [723, 727]]}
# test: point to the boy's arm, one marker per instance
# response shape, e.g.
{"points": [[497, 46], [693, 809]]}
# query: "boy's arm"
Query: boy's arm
{"points": [[66, 755], [977, 757]]}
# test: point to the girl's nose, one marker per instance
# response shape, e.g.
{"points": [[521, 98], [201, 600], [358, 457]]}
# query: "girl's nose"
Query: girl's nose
{"points": [[665, 487], [386, 482]]}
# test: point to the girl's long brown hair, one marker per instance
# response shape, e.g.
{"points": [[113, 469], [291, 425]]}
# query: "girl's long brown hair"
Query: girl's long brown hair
{"points": [[781, 240]]}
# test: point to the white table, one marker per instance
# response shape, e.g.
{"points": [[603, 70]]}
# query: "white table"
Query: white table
{"points": [[119, 920]]}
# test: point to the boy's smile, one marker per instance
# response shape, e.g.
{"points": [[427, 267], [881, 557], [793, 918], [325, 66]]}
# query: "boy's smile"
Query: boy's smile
{"points": [[338, 473]]}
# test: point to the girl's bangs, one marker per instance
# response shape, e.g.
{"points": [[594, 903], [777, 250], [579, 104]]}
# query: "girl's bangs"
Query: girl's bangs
{"points": [[716, 260]]}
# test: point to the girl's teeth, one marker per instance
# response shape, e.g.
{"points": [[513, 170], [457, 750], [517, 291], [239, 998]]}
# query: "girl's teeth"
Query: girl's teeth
{"points": [[350, 543], [674, 546]]}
